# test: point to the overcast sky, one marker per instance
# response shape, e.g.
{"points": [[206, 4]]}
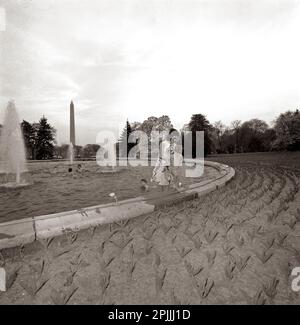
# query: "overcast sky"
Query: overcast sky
{"points": [[133, 59]]}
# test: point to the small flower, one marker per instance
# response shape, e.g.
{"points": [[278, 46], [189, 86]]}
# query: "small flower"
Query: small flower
{"points": [[113, 195]]}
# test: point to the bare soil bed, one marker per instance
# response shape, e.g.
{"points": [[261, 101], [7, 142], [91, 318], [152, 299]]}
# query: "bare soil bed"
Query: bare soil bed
{"points": [[236, 245]]}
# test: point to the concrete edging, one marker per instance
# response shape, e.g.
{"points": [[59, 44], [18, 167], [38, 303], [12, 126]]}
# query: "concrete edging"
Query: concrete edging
{"points": [[27, 230]]}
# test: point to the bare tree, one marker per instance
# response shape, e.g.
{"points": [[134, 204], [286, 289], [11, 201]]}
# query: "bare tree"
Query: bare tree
{"points": [[219, 129], [236, 126]]}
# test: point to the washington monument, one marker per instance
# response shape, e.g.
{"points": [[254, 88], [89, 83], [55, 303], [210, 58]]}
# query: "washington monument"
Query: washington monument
{"points": [[72, 124]]}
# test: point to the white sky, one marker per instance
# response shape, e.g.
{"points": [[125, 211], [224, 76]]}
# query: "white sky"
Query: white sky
{"points": [[133, 59]]}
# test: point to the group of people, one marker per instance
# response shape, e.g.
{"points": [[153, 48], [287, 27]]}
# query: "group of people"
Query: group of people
{"points": [[79, 170]]}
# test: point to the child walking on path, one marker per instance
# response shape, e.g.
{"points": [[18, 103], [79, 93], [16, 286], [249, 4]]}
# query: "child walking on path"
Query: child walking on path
{"points": [[163, 174]]}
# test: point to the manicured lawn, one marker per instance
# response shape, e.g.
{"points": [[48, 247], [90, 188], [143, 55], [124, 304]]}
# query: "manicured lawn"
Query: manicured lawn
{"points": [[55, 190]]}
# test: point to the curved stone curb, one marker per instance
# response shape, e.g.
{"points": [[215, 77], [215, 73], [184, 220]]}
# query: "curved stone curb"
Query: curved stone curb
{"points": [[49, 226], [24, 231], [16, 233]]}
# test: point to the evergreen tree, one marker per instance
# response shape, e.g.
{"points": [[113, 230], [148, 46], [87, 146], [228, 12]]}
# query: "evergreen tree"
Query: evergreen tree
{"points": [[199, 122], [30, 135], [45, 140], [123, 146]]}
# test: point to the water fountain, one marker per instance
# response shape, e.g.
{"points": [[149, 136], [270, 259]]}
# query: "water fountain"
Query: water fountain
{"points": [[71, 153], [13, 171]]}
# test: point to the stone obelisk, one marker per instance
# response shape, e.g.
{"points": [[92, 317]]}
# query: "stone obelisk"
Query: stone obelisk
{"points": [[72, 124]]}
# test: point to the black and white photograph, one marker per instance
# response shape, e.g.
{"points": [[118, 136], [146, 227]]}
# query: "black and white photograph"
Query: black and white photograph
{"points": [[150, 154]]}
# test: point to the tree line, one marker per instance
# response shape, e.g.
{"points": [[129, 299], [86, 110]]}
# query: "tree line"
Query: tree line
{"points": [[254, 135], [88, 151], [40, 143]]}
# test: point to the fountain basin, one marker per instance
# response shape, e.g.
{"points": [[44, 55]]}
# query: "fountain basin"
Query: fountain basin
{"points": [[53, 189]]}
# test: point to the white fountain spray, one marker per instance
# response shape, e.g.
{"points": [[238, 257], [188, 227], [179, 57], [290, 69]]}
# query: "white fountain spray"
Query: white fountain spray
{"points": [[71, 153], [12, 149]]}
